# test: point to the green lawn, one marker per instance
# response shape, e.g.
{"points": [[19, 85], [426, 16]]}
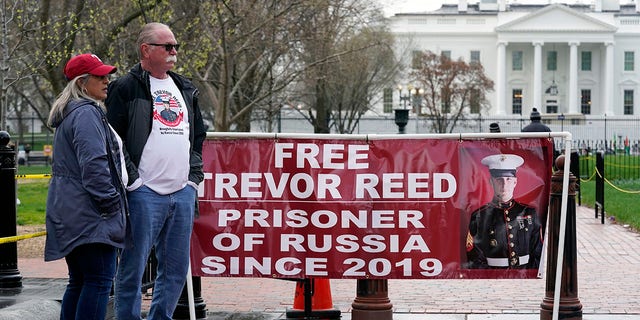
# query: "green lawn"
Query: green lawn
{"points": [[32, 194], [33, 200], [622, 200]]}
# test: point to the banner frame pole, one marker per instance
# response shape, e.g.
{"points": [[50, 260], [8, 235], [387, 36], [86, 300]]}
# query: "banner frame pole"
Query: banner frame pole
{"points": [[563, 225]]}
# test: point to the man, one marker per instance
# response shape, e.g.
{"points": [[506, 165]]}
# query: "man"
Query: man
{"points": [[164, 167], [166, 113], [536, 125], [504, 233]]}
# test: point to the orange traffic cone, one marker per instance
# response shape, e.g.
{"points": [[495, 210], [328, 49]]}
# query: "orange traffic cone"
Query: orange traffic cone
{"points": [[312, 298]]}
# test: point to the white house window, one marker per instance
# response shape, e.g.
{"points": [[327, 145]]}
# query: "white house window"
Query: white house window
{"points": [[387, 98], [446, 53], [552, 60], [629, 60], [516, 101], [585, 101], [474, 101], [552, 106], [516, 63], [415, 59], [585, 62], [628, 102], [474, 56]]}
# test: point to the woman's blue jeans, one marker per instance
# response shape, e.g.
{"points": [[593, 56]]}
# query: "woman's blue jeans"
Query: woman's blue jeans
{"points": [[164, 222], [91, 271]]}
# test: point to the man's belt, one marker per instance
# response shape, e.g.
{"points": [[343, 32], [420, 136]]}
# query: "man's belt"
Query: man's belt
{"points": [[506, 262]]}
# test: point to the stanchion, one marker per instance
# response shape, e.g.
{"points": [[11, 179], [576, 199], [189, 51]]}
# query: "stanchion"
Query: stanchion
{"points": [[372, 301], [182, 309], [9, 275], [569, 304]]}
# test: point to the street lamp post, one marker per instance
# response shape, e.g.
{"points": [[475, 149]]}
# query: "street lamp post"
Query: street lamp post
{"points": [[404, 98], [402, 115]]}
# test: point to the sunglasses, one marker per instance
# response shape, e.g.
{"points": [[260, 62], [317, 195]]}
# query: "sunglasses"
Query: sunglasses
{"points": [[167, 46]]}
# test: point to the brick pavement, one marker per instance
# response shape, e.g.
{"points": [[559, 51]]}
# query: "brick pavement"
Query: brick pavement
{"points": [[608, 282]]}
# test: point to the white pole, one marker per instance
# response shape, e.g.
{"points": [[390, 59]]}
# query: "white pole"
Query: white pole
{"points": [[192, 307], [563, 227]]}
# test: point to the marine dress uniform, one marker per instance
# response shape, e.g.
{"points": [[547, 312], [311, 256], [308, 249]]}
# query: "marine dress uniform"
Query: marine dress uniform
{"points": [[504, 234]]}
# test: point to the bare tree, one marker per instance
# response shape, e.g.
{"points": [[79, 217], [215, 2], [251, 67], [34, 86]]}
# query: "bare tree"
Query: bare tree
{"points": [[346, 50], [42, 35], [241, 57], [248, 57], [358, 76], [452, 89]]}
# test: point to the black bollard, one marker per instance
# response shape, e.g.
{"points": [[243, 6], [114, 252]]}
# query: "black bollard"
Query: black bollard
{"points": [[372, 300], [9, 275], [182, 309], [570, 307]]}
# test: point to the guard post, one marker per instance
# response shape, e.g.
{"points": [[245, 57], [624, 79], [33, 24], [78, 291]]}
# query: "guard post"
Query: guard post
{"points": [[9, 275], [182, 309], [372, 300], [570, 307]]}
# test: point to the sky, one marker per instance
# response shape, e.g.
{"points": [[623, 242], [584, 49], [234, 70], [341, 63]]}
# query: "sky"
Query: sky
{"points": [[392, 7]]}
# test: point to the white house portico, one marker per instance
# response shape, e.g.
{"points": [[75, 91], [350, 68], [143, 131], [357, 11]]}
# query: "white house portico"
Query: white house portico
{"points": [[571, 59]]}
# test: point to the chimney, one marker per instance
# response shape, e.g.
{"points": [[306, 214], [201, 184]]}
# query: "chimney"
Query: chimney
{"points": [[502, 5], [637, 6], [462, 5], [598, 6]]}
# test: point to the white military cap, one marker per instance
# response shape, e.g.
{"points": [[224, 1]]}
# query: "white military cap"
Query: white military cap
{"points": [[502, 165]]}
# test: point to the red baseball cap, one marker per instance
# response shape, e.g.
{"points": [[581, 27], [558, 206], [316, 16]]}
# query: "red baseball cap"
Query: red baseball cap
{"points": [[87, 63]]}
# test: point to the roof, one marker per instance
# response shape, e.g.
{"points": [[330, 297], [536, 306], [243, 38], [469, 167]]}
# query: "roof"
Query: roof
{"points": [[474, 9]]}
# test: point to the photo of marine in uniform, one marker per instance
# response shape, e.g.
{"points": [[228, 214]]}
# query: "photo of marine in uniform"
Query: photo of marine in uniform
{"points": [[504, 233], [167, 113]]}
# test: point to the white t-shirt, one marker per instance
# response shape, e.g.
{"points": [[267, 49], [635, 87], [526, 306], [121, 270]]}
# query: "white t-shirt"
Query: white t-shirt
{"points": [[164, 166]]}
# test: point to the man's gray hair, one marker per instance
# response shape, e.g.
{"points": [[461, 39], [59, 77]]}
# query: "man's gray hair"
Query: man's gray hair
{"points": [[148, 34]]}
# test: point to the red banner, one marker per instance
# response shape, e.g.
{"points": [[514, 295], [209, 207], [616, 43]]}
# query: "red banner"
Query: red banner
{"points": [[395, 208]]}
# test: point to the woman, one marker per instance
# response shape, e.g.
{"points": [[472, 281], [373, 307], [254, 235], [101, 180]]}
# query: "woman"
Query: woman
{"points": [[86, 206]]}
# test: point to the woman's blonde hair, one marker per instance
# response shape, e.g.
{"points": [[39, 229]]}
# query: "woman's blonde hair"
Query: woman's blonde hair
{"points": [[71, 92]]}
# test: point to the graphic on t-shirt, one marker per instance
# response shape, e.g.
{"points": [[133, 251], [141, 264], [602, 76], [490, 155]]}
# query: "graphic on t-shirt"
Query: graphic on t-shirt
{"points": [[163, 110]]}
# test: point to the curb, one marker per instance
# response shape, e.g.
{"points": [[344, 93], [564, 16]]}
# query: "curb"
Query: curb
{"points": [[32, 309]]}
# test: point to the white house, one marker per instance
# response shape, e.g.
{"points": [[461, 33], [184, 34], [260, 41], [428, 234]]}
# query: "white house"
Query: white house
{"points": [[573, 60]]}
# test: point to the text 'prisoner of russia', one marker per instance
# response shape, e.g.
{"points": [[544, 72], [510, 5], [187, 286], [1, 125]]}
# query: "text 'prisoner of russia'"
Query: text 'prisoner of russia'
{"points": [[504, 233]]}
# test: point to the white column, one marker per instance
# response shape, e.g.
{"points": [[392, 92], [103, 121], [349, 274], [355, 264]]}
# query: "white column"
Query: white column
{"points": [[501, 79], [608, 80], [537, 75], [573, 77]]}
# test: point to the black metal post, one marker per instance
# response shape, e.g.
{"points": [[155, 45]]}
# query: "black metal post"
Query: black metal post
{"points": [[569, 306], [372, 300], [600, 184], [9, 275], [182, 309]]}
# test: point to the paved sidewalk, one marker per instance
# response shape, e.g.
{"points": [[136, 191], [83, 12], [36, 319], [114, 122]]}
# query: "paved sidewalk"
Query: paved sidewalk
{"points": [[608, 286]]}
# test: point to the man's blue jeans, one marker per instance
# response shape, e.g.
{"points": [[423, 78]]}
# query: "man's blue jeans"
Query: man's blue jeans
{"points": [[91, 270], [164, 222]]}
